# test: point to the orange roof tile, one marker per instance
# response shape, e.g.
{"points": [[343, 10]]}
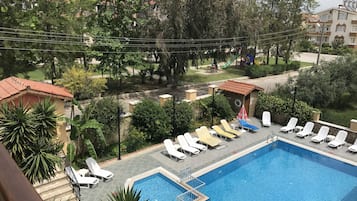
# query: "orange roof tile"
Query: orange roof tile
{"points": [[12, 86], [239, 87]]}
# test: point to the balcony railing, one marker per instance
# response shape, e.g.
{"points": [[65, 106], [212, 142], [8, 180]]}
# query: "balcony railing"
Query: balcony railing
{"points": [[14, 186]]}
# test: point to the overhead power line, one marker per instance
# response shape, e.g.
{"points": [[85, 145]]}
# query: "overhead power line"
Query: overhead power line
{"points": [[65, 36], [285, 39], [147, 45]]}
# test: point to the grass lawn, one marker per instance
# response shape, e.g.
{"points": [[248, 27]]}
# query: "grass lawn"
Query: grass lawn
{"points": [[36, 75], [201, 75], [339, 116]]}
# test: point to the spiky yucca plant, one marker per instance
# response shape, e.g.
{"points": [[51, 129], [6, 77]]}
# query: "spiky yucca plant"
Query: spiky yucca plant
{"points": [[125, 194]]}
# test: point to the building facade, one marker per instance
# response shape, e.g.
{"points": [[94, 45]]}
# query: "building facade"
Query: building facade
{"points": [[333, 25], [15, 90]]}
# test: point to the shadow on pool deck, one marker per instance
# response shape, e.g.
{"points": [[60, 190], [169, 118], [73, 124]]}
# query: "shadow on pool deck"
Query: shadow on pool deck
{"points": [[148, 159]]}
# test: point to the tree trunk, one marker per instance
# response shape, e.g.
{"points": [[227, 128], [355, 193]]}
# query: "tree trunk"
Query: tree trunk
{"points": [[288, 52], [53, 71], [268, 56], [277, 54]]}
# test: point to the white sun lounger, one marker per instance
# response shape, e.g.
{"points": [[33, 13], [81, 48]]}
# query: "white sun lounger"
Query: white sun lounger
{"points": [[339, 140], [193, 143], [266, 119], [321, 135], [290, 126], [171, 150], [353, 148], [307, 130], [76, 179], [97, 171], [185, 146]]}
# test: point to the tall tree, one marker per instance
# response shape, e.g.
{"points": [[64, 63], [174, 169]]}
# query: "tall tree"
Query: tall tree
{"points": [[111, 25]]}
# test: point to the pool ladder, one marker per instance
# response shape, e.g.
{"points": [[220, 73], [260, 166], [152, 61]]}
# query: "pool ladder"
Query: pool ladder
{"points": [[272, 138]]}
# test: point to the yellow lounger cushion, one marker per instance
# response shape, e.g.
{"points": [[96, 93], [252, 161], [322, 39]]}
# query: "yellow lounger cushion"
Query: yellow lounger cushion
{"points": [[206, 138], [228, 128], [223, 133]]}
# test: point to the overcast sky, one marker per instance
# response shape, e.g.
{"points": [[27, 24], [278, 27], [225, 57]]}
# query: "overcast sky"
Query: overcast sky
{"points": [[326, 4]]}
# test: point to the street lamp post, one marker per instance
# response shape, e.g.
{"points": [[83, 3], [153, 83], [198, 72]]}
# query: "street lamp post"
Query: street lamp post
{"points": [[213, 105], [173, 115], [320, 44], [119, 118], [293, 108]]}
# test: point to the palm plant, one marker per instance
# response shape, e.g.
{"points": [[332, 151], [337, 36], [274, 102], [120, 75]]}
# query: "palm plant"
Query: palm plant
{"points": [[28, 135], [128, 194], [86, 131]]}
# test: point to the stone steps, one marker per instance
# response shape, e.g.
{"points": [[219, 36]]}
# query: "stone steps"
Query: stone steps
{"points": [[58, 188]]}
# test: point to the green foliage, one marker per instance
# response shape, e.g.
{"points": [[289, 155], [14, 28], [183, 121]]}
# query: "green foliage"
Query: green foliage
{"points": [[71, 152], [305, 45], [128, 194], [256, 71], [336, 48], [90, 148], [28, 136], [81, 84], [183, 116], [340, 116], [135, 140], [281, 109], [151, 119], [331, 84], [105, 111], [222, 108], [87, 132]]}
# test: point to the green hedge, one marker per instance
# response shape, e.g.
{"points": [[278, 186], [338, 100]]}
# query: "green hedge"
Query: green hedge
{"points": [[149, 117], [281, 109], [256, 71], [222, 109]]}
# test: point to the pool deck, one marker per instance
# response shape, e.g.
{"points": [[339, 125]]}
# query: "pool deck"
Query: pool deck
{"points": [[153, 157]]}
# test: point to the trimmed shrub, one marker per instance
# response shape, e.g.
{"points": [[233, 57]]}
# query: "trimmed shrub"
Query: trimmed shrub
{"points": [[135, 140], [257, 71], [183, 116], [151, 119], [281, 109], [222, 109]]}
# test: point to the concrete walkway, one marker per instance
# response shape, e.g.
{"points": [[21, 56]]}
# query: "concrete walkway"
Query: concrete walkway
{"points": [[154, 157]]}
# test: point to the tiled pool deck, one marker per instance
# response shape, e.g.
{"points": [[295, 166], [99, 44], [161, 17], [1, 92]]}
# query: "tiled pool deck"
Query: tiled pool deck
{"points": [[153, 157]]}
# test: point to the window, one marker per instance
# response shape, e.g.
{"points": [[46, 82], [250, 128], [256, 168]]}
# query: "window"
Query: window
{"points": [[324, 18], [354, 28], [353, 40], [342, 15], [340, 28]]}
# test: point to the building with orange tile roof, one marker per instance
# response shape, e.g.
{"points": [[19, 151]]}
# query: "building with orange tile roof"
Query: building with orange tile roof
{"points": [[14, 90]]}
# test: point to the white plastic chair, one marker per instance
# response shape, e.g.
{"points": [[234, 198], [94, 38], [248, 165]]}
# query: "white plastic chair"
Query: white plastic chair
{"points": [[76, 179], [353, 148], [321, 135], [266, 119], [290, 126], [307, 130], [97, 171], [339, 140], [185, 146], [171, 150], [193, 143]]}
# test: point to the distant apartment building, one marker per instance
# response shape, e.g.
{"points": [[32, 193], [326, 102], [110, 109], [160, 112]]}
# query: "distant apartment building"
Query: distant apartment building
{"points": [[335, 24]]}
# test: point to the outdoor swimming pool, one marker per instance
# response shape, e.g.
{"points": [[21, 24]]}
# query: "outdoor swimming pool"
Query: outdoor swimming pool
{"points": [[157, 187], [277, 172]]}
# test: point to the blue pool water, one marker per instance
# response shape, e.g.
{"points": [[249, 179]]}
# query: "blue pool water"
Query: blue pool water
{"points": [[277, 172], [158, 188], [282, 172]]}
